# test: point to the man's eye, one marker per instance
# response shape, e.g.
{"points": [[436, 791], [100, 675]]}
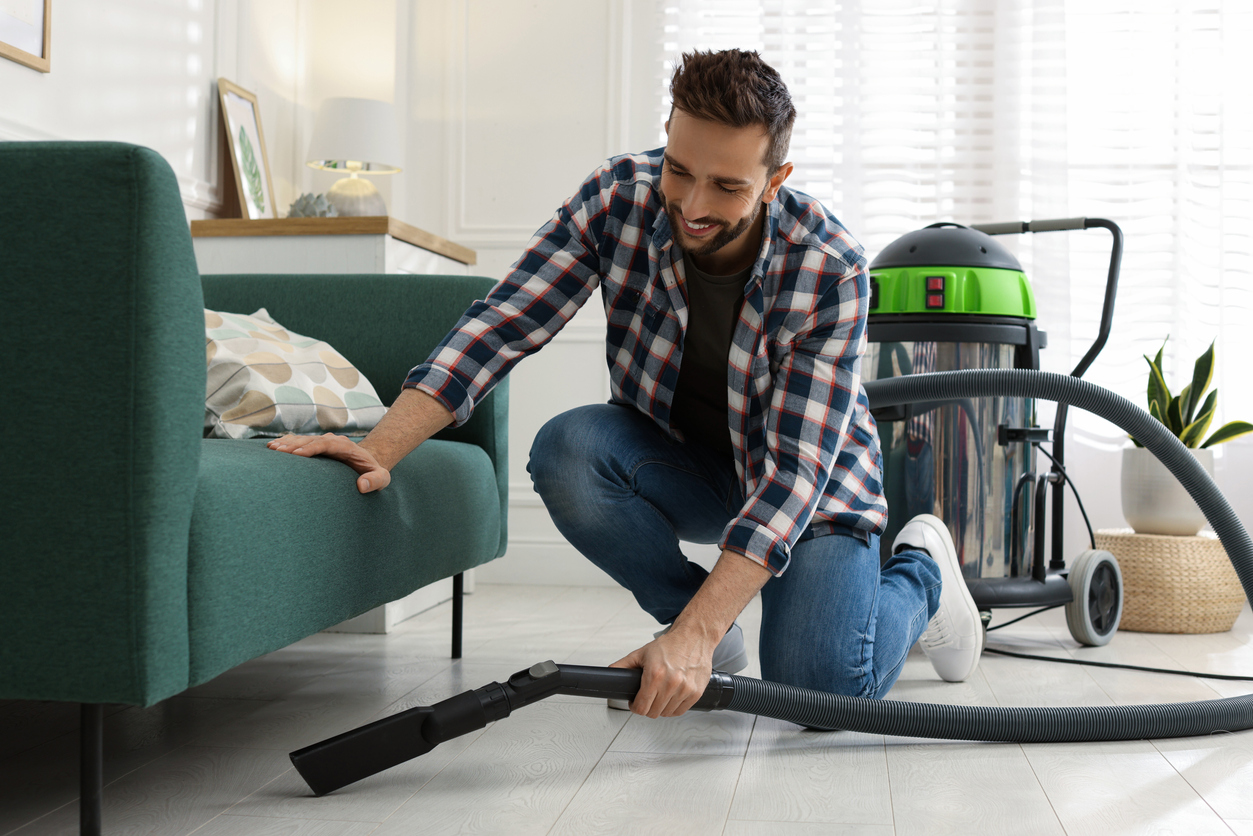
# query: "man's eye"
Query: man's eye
{"points": [[725, 189], [678, 173]]}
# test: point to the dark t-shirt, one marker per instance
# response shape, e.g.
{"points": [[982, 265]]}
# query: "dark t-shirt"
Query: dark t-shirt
{"points": [[700, 396]]}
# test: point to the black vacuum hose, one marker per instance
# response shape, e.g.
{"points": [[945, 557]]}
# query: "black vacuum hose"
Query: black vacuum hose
{"points": [[361, 752], [818, 709]]}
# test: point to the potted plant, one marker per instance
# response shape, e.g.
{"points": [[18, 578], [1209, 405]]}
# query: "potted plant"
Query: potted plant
{"points": [[1153, 501]]}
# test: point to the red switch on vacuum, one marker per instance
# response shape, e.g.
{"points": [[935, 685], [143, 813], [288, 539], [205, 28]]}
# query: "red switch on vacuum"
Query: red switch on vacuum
{"points": [[935, 291]]}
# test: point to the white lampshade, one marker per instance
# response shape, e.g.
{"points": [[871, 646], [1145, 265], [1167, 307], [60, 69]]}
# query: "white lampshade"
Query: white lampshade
{"points": [[360, 131]]}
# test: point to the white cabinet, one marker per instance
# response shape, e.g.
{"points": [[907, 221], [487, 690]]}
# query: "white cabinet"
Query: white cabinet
{"points": [[325, 245]]}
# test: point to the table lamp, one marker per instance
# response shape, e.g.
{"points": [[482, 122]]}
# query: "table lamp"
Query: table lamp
{"points": [[356, 136]]}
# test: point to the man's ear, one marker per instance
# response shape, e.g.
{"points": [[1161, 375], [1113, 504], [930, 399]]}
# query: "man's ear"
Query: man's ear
{"points": [[667, 127], [775, 181]]}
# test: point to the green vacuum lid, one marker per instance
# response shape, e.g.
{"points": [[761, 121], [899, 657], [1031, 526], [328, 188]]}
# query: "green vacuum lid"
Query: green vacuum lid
{"points": [[946, 243], [948, 269]]}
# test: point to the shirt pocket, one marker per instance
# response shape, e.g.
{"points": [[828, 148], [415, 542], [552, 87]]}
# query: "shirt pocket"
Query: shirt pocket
{"points": [[623, 302]]}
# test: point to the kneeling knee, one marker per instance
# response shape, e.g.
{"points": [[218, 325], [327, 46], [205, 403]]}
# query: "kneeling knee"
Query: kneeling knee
{"points": [[564, 453]]}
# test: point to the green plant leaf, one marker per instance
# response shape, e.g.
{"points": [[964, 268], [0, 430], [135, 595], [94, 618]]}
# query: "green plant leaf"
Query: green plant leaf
{"points": [[252, 173], [1202, 376], [1155, 412], [1174, 416], [1228, 431], [1194, 432], [1185, 404], [1159, 392]]}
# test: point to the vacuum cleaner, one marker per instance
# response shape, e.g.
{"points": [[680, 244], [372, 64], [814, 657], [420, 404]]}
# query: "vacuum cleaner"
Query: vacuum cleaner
{"points": [[947, 298], [349, 757]]}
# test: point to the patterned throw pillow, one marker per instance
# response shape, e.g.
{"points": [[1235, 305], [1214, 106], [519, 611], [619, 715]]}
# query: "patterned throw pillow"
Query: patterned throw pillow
{"points": [[266, 381]]}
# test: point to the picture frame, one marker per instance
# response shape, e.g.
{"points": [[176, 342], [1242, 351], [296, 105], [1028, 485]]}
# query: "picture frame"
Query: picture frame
{"points": [[245, 146], [26, 33]]}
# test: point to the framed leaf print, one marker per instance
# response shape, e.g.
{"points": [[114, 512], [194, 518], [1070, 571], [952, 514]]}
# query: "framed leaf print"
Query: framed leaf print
{"points": [[246, 142], [26, 33]]}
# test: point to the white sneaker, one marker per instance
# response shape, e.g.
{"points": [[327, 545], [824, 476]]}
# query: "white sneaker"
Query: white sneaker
{"points": [[953, 640], [730, 656]]}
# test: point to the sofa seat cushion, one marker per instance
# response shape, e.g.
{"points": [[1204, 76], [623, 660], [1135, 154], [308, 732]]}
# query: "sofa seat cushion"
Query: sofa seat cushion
{"points": [[283, 546]]}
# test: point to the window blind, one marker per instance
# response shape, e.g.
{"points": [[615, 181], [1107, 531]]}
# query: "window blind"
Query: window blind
{"points": [[911, 112]]}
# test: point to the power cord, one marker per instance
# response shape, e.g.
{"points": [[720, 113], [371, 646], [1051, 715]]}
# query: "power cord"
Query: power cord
{"points": [[1001, 652], [1061, 469], [1092, 538]]}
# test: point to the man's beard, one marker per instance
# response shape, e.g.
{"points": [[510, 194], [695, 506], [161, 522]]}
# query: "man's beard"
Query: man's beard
{"points": [[725, 234]]}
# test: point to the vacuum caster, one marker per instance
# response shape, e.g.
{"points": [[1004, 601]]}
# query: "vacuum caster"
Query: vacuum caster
{"points": [[1096, 608]]}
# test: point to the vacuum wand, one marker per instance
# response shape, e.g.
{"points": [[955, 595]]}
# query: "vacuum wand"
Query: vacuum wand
{"points": [[347, 758]]}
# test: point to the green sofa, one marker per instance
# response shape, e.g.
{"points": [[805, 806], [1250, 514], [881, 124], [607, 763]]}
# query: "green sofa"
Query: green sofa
{"points": [[139, 558]]}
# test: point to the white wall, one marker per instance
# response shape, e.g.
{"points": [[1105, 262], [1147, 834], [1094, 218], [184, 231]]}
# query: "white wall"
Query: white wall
{"points": [[512, 105], [147, 73], [130, 71]]}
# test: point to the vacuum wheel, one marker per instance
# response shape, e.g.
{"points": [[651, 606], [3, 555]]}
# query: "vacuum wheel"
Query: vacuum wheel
{"points": [[1096, 583]]}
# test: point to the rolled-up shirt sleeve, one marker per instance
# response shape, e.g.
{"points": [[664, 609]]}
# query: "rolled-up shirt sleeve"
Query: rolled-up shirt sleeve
{"points": [[544, 289], [816, 390]]}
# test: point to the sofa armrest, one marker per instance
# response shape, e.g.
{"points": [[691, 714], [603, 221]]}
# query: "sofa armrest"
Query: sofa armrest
{"points": [[384, 325], [102, 333]]}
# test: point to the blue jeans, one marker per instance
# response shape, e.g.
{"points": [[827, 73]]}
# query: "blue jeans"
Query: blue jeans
{"points": [[624, 495]]}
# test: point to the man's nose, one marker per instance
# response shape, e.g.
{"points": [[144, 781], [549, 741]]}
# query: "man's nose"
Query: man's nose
{"points": [[697, 205]]}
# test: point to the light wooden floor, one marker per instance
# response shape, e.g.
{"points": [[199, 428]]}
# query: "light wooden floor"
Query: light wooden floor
{"points": [[214, 761]]}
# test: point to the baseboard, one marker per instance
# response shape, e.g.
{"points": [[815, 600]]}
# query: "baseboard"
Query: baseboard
{"points": [[540, 560], [543, 562], [385, 618]]}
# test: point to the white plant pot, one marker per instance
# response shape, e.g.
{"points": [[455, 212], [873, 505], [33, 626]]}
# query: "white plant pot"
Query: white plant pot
{"points": [[1153, 501]]}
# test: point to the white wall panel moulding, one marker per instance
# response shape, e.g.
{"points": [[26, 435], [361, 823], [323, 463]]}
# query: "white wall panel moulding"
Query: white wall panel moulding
{"points": [[11, 131], [479, 94], [199, 194]]}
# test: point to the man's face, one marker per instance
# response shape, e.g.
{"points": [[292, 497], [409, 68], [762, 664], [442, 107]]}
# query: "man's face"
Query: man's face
{"points": [[714, 183]]}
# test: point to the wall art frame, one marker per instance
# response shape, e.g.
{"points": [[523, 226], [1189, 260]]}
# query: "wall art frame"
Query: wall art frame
{"points": [[26, 33], [245, 144]]}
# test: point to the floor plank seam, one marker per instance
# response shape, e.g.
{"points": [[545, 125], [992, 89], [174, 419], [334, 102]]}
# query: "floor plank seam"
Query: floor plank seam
{"points": [[583, 783], [726, 822], [887, 777], [435, 775], [29, 822], [1043, 791], [1191, 786]]}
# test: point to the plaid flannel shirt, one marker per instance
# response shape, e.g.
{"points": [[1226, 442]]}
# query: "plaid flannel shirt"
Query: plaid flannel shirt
{"points": [[806, 449]]}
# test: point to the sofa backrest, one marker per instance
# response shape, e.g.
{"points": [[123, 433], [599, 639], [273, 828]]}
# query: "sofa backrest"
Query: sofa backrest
{"points": [[100, 321], [384, 325]]}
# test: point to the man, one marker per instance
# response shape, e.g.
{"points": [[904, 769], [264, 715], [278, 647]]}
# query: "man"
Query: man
{"points": [[736, 325]]}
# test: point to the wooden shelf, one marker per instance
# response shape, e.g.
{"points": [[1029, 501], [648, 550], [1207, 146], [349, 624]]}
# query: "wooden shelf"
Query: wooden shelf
{"points": [[370, 225]]}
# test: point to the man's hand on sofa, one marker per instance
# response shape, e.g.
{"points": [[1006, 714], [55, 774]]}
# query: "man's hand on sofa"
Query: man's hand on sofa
{"points": [[372, 476], [413, 418]]}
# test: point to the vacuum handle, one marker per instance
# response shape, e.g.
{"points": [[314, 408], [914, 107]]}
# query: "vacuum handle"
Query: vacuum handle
{"points": [[607, 683], [1018, 227], [1111, 281]]}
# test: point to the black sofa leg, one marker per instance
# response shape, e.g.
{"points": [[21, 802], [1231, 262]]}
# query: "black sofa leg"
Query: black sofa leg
{"points": [[90, 768], [458, 588]]}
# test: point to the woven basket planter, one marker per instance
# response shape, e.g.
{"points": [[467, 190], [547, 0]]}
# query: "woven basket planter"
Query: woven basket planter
{"points": [[1174, 584]]}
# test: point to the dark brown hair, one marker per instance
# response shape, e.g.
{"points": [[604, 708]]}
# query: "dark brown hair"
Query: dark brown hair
{"points": [[738, 89]]}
